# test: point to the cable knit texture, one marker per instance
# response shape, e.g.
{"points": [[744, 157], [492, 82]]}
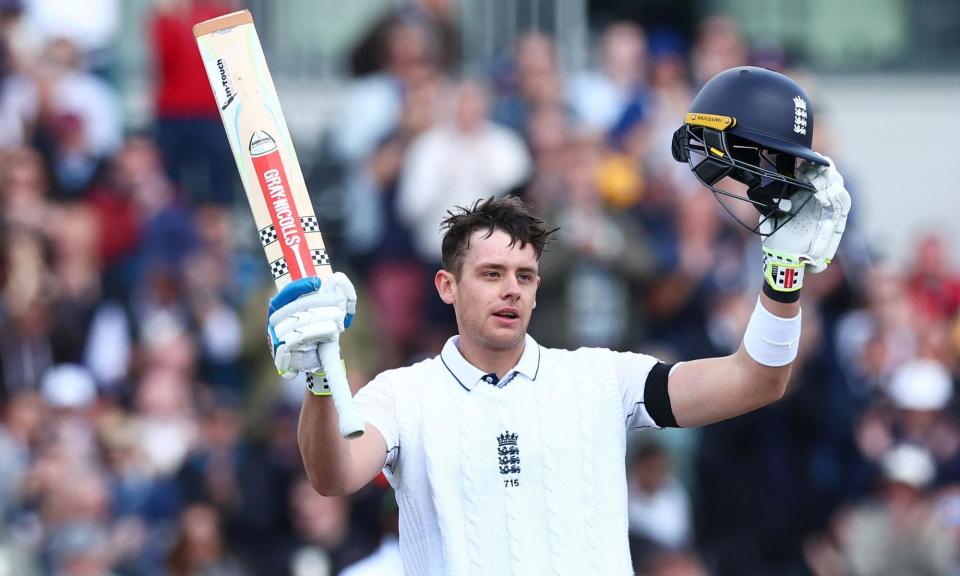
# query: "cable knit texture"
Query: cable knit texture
{"points": [[563, 512], [585, 426], [546, 419]]}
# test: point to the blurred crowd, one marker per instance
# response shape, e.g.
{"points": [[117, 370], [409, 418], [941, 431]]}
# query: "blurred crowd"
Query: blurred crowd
{"points": [[144, 430]]}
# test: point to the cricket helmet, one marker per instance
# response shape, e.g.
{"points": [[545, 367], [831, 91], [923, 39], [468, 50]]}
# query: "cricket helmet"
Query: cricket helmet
{"points": [[752, 126]]}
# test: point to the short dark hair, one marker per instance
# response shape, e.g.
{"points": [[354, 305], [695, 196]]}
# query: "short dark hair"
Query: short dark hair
{"points": [[509, 214]]}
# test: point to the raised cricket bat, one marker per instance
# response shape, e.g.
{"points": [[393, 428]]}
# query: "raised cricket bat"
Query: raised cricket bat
{"points": [[258, 135]]}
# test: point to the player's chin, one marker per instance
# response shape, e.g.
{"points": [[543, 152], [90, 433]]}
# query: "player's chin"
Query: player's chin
{"points": [[506, 334]]}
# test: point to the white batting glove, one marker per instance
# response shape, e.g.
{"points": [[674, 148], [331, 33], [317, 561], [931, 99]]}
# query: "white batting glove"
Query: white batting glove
{"points": [[308, 314], [812, 236]]}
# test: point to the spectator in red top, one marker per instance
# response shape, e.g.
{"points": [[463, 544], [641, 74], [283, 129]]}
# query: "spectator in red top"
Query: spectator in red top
{"points": [[189, 131], [933, 285]]}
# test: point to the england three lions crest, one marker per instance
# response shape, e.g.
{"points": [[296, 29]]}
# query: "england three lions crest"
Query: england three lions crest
{"points": [[508, 453], [800, 116]]}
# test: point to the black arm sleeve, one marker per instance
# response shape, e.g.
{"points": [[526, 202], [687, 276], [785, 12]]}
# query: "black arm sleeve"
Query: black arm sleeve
{"points": [[656, 398]]}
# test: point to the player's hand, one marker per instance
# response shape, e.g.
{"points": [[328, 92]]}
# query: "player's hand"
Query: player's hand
{"points": [[812, 236], [306, 315]]}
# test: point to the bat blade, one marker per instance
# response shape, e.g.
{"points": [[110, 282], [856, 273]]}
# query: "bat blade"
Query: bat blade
{"points": [[272, 179], [262, 147]]}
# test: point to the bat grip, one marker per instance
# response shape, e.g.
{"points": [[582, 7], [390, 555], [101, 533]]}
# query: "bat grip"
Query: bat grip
{"points": [[351, 425]]}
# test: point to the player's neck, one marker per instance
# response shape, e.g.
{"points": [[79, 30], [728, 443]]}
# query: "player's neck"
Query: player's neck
{"points": [[497, 361]]}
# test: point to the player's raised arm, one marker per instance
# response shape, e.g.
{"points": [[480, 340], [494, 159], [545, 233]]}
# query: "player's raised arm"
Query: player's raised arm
{"points": [[305, 321], [335, 465], [748, 137]]}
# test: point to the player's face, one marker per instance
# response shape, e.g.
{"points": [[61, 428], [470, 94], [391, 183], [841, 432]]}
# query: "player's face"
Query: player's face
{"points": [[496, 291]]}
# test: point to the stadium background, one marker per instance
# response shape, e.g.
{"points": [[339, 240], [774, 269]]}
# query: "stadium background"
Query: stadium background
{"points": [[143, 431]]}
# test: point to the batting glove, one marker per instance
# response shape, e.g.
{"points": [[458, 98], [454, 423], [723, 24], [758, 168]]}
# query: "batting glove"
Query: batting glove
{"points": [[308, 314], [809, 239]]}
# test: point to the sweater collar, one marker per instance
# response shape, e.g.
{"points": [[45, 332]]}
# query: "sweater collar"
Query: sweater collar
{"points": [[468, 375]]}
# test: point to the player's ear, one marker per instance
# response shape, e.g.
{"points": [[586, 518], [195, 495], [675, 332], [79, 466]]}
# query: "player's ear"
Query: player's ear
{"points": [[446, 285]]}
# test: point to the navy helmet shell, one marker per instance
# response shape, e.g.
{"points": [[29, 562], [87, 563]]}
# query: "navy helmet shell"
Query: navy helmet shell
{"points": [[766, 107]]}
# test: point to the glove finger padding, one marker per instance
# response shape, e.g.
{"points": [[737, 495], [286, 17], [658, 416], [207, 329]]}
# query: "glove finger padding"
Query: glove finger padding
{"points": [[337, 290], [291, 361], [284, 361], [813, 235], [318, 299], [843, 203], [821, 238], [308, 359], [343, 286], [287, 330], [829, 184], [308, 313], [317, 330]]}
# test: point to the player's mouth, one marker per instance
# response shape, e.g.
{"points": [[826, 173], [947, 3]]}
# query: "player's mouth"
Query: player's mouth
{"points": [[507, 316]]}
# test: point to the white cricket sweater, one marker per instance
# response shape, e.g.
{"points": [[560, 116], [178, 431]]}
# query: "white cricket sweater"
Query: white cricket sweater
{"points": [[525, 477]]}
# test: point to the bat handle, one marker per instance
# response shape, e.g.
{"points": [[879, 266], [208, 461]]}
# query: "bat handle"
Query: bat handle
{"points": [[351, 425]]}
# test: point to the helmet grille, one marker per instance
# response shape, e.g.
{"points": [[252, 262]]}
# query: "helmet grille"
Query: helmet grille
{"points": [[735, 168]]}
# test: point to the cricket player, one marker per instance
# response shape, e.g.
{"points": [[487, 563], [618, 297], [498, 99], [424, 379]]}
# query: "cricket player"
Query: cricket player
{"points": [[508, 457]]}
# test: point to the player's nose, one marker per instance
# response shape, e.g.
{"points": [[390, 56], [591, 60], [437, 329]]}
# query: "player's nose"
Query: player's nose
{"points": [[510, 287]]}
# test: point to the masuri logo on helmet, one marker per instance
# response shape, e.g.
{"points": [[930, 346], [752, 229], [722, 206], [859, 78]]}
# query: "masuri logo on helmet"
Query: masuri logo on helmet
{"points": [[714, 121]]}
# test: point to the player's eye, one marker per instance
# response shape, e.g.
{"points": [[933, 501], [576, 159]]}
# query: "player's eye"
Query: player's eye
{"points": [[491, 274], [526, 277]]}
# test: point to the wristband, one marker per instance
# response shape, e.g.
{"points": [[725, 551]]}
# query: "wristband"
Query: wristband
{"points": [[770, 339], [784, 297], [783, 274]]}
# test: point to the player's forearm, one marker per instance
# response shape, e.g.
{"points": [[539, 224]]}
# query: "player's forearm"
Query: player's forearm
{"points": [[713, 389], [766, 375], [326, 454], [769, 366], [781, 309], [765, 384]]}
